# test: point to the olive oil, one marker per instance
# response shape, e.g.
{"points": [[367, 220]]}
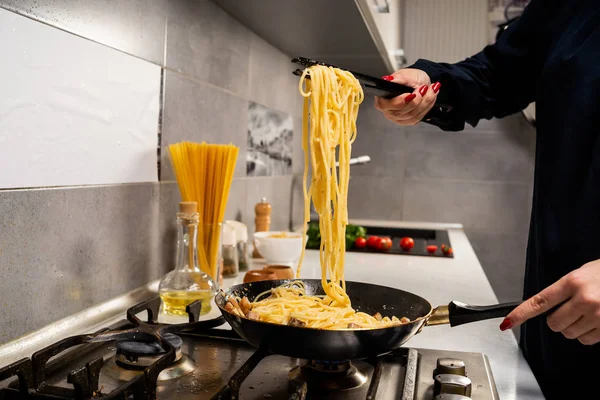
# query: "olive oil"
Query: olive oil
{"points": [[175, 301], [186, 283]]}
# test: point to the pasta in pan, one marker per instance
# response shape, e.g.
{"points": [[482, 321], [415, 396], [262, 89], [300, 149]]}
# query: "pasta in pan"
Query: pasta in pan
{"points": [[331, 102]]}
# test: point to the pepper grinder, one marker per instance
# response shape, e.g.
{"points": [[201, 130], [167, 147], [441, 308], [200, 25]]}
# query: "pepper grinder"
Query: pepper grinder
{"points": [[262, 221]]}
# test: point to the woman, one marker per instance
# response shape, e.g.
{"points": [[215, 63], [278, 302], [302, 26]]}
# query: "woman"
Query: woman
{"points": [[550, 55]]}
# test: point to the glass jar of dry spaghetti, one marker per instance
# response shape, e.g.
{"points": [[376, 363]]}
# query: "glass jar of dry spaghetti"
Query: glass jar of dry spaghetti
{"points": [[210, 257]]}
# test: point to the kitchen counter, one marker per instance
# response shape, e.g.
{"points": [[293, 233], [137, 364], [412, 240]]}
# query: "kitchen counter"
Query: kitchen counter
{"points": [[441, 280]]}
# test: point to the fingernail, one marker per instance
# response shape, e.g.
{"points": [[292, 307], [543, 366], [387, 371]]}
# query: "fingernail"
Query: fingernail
{"points": [[388, 78], [423, 90], [410, 97], [506, 324], [436, 87]]}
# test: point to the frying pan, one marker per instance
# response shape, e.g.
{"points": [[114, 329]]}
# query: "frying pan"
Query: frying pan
{"points": [[351, 344]]}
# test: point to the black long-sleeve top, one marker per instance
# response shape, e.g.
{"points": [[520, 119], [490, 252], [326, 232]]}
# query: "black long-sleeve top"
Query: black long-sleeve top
{"points": [[550, 56]]}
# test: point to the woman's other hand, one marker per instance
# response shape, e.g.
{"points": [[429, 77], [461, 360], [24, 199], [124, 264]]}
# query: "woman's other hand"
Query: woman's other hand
{"points": [[409, 108], [579, 316]]}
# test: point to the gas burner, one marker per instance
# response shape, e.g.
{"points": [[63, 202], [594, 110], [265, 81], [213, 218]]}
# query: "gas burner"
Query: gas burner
{"points": [[134, 356], [326, 376], [156, 364]]}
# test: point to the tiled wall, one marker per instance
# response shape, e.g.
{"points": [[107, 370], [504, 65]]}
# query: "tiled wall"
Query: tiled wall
{"points": [[65, 248], [480, 177]]}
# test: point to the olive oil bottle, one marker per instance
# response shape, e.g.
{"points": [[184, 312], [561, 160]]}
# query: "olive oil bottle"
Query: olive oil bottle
{"points": [[187, 283]]}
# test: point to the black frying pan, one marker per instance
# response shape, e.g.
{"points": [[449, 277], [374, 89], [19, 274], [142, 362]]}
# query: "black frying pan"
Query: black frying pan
{"points": [[341, 345]]}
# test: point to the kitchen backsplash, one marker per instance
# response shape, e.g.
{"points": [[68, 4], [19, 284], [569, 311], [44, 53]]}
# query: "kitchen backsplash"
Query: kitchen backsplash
{"points": [[480, 177], [85, 214]]}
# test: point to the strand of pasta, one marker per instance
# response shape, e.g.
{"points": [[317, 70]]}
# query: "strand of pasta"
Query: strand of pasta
{"points": [[331, 103]]}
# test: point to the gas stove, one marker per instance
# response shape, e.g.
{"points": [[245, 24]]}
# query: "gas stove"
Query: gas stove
{"points": [[135, 359]]}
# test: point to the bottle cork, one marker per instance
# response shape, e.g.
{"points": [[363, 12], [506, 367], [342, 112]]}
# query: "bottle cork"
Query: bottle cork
{"points": [[262, 220], [188, 207]]}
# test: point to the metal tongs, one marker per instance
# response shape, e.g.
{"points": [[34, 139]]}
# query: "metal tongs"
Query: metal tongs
{"points": [[371, 85]]}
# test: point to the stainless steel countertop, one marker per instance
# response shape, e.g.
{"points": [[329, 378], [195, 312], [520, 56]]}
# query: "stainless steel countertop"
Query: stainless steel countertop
{"points": [[440, 280]]}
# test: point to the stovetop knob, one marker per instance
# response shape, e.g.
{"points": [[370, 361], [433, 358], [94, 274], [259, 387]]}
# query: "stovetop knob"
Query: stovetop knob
{"points": [[452, 384], [446, 396], [449, 366]]}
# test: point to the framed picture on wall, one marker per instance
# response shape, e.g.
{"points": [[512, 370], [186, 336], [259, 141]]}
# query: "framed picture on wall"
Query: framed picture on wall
{"points": [[270, 134]]}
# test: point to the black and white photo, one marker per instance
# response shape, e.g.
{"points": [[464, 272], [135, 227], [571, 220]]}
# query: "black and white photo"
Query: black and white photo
{"points": [[270, 134]]}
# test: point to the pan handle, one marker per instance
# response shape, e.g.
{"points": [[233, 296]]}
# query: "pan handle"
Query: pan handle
{"points": [[461, 313], [458, 313]]}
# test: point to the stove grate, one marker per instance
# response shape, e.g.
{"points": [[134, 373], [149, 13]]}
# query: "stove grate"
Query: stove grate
{"points": [[31, 373], [232, 390]]}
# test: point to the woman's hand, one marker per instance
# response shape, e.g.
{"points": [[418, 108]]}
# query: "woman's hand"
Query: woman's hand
{"points": [[579, 316], [409, 108]]}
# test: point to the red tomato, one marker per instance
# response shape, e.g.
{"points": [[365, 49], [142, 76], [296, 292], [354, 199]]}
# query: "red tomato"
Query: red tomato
{"points": [[447, 250], [360, 242], [407, 243], [431, 248], [373, 242], [386, 243]]}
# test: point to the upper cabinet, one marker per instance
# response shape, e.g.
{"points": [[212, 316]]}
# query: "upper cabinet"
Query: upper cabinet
{"points": [[359, 35], [383, 19]]}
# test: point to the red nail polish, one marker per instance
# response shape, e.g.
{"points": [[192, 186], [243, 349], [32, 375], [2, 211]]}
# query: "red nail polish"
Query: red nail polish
{"points": [[388, 78], [423, 90], [410, 97], [436, 87], [506, 324]]}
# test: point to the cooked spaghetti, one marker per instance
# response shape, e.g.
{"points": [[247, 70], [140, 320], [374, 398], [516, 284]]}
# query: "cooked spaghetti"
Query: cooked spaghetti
{"points": [[331, 101], [204, 173]]}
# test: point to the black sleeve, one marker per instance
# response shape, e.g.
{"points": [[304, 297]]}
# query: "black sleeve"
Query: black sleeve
{"points": [[498, 81]]}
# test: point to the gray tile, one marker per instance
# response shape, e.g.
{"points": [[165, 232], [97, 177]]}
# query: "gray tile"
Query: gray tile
{"points": [[135, 27], [512, 123], [204, 42], [482, 206], [387, 149], [375, 197], [297, 202], [66, 248], [198, 112], [167, 224], [502, 257], [470, 155], [238, 198], [271, 80], [169, 206], [278, 192], [297, 151]]}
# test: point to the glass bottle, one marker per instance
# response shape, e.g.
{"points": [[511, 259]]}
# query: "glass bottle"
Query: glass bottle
{"points": [[229, 251], [187, 282]]}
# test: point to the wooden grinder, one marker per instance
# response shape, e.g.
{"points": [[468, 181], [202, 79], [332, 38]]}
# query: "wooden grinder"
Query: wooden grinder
{"points": [[262, 221]]}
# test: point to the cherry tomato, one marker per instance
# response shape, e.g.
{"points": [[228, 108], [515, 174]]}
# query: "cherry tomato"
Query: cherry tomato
{"points": [[431, 248], [360, 242], [407, 243], [371, 242], [386, 243], [447, 250], [374, 242]]}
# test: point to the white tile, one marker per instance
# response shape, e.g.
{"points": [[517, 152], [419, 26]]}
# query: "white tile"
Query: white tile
{"points": [[73, 112]]}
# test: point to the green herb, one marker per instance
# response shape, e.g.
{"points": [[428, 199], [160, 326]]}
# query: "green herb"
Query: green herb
{"points": [[314, 235]]}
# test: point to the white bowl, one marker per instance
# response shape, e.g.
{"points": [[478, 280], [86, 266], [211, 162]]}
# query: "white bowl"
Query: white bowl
{"points": [[279, 250]]}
